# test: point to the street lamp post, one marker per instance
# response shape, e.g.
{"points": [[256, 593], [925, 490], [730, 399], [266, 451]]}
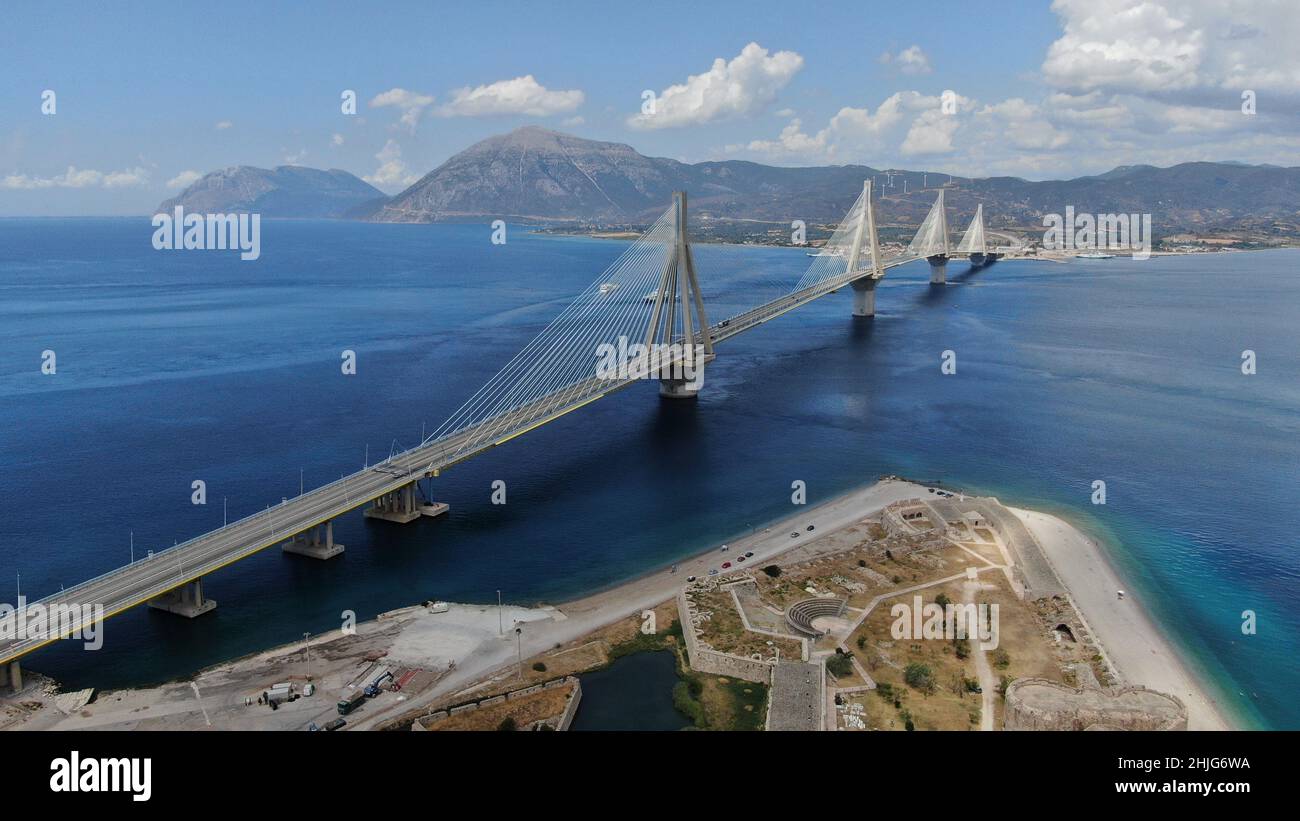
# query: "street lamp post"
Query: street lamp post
{"points": [[501, 630], [306, 637], [519, 650]]}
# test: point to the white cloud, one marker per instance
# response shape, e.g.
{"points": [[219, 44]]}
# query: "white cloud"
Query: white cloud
{"points": [[184, 179], [745, 85], [522, 95], [412, 104], [911, 61], [295, 157], [1156, 81], [1023, 125], [572, 121], [224, 124], [850, 133], [392, 171], [77, 178], [337, 139], [1175, 47]]}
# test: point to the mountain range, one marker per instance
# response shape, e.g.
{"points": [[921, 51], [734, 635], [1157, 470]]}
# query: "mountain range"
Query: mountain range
{"points": [[537, 175]]}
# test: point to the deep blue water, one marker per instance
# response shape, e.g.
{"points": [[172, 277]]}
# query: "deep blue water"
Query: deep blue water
{"points": [[175, 366]]}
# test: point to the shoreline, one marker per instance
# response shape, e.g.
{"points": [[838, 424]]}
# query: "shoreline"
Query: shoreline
{"points": [[1128, 634]]}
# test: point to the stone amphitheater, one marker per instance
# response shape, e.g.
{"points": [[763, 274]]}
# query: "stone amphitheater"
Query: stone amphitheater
{"points": [[801, 615], [1041, 704]]}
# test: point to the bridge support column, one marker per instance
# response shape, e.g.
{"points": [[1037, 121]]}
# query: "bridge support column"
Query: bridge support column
{"points": [[11, 675], [938, 269], [404, 505], [186, 600], [317, 543], [679, 388], [976, 260], [864, 296]]}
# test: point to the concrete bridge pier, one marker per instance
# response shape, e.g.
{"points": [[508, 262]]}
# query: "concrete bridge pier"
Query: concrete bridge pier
{"points": [[317, 543], [864, 296], [679, 388], [186, 600], [11, 675], [976, 260], [404, 505], [938, 269]]}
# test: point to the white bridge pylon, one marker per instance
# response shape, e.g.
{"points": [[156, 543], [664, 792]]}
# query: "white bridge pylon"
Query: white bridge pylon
{"points": [[974, 242], [931, 241]]}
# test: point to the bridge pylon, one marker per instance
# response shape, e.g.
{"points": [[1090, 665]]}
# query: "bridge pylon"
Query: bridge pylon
{"points": [[864, 288], [973, 242], [678, 333], [939, 262]]}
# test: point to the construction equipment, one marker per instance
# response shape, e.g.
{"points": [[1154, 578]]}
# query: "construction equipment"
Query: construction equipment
{"points": [[373, 689]]}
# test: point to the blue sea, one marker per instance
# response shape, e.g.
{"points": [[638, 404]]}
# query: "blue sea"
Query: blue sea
{"points": [[184, 365]]}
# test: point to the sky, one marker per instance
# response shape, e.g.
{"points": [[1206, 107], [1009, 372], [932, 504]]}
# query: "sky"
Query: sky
{"points": [[148, 97]]}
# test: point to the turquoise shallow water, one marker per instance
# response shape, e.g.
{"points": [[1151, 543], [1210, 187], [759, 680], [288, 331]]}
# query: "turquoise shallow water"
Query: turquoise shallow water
{"points": [[177, 366]]}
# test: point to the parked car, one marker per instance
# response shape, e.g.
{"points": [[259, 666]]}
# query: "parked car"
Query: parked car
{"points": [[713, 571], [794, 535], [690, 578], [749, 554], [810, 528], [740, 558], [725, 565]]}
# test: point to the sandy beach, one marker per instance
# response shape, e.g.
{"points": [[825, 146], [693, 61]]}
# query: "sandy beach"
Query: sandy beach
{"points": [[1135, 645]]}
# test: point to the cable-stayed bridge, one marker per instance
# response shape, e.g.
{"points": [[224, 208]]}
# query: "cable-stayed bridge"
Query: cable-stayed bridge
{"points": [[644, 317]]}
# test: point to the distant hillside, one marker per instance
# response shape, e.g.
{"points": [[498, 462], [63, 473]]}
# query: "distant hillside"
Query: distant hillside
{"points": [[286, 191], [541, 175], [536, 174]]}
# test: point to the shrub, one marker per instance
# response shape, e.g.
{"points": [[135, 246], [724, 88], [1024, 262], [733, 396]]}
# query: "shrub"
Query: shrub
{"points": [[539, 667], [961, 647], [1001, 658], [772, 570], [840, 664], [919, 677], [507, 725]]}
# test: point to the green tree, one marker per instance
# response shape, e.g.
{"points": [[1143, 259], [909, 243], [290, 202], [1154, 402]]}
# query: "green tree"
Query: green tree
{"points": [[840, 664]]}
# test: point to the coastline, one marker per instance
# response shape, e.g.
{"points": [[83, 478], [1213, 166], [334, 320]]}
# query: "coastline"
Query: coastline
{"points": [[1126, 629], [1128, 634]]}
